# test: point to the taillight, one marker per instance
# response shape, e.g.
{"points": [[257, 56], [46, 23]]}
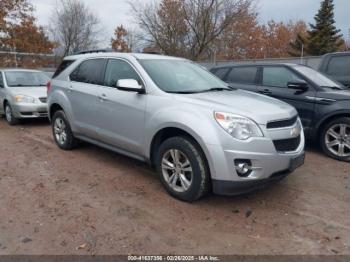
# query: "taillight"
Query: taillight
{"points": [[48, 86]]}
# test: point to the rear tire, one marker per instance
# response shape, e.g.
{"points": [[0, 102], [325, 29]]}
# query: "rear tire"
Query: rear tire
{"points": [[10, 118], [62, 131], [335, 139], [182, 169]]}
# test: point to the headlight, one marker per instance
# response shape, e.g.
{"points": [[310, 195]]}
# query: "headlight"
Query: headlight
{"points": [[237, 126], [25, 99]]}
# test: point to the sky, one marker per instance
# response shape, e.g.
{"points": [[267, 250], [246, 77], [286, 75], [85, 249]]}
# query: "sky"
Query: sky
{"points": [[115, 12]]}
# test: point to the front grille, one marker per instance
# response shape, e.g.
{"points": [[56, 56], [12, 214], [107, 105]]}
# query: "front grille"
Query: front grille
{"points": [[282, 123], [287, 145], [43, 99]]}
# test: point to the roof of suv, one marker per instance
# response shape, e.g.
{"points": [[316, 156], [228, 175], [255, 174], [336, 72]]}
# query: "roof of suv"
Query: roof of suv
{"points": [[126, 55], [257, 64], [8, 69]]}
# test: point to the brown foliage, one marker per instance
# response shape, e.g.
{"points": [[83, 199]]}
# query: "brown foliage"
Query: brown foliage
{"points": [[187, 28], [19, 33], [120, 43]]}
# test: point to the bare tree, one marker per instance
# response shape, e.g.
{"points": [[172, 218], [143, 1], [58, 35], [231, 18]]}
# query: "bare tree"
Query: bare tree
{"points": [[74, 27], [187, 27]]}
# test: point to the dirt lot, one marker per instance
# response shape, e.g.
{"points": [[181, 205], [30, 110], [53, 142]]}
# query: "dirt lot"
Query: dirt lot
{"points": [[92, 201]]}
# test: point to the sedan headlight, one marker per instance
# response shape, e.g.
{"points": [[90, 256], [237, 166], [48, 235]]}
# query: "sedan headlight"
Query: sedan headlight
{"points": [[25, 99], [237, 126]]}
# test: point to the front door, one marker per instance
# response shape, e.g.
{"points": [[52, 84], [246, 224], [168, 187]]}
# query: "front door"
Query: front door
{"points": [[274, 82], [121, 114]]}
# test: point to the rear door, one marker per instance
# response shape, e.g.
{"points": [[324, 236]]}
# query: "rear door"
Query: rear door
{"points": [[83, 94], [243, 77], [273, 81], [338, 68]]}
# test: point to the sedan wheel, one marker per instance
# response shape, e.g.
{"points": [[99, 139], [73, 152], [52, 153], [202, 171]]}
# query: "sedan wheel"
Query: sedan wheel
{"points": [[9, 115], [338, 140]]}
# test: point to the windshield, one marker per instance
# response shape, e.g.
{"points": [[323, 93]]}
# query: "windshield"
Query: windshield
{"points": [[175, 76], [24, 78], [317, 78]]}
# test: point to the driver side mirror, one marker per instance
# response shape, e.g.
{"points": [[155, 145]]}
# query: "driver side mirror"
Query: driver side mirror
{"points": [[130, 85], [300, 85]]}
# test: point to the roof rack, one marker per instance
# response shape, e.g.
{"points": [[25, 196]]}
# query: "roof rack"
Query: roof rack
{"points": [[94, 51]]}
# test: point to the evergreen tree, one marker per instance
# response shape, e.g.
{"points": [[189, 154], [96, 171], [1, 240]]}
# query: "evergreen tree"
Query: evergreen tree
{"points": [[298, 45], [324, 37]]}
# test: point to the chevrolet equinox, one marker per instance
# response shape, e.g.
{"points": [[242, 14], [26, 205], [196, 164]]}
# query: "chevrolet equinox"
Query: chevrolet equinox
{"points": [[200, 134]]}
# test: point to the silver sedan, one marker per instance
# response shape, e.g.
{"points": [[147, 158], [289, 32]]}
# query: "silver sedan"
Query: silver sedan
{"points": [[23, 94]]}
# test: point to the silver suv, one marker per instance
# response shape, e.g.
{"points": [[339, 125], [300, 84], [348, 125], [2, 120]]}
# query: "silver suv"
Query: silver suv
{"points": [[199, 133]]}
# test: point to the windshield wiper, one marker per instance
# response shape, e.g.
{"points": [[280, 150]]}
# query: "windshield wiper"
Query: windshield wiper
{"points": [[218, 89], [333, 87], [183, 92]]}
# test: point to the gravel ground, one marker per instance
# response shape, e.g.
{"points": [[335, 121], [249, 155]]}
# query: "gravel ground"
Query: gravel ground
{"points": [[92, 201]]}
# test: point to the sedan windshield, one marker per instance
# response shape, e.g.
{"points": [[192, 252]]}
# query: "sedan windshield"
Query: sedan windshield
{"points": [[318, 78], [181, 76], [25, 78]]}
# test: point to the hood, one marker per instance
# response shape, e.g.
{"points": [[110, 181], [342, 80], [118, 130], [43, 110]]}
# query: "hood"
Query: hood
{"points": [[335, 94], [36, 91], [262, 109]]}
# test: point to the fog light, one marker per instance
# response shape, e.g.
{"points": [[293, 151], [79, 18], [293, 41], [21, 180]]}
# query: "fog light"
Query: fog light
{"points": [[243, 167]]}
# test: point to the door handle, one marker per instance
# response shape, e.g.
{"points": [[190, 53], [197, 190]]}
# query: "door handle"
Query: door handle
{"points": [[103, 97], [265, 92]]}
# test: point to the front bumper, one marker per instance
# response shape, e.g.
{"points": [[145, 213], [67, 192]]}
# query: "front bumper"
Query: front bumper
{"points": [[23, 110], [268, 164], [233, 188]]}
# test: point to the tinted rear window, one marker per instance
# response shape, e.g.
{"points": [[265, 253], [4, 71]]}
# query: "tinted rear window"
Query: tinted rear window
{"points": [[220, 72], [339, 66], [90, 71], [243, 75], [62, 67]]}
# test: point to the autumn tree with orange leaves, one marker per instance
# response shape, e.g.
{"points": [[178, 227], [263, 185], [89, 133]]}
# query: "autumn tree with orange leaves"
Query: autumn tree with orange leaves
{"points": [[19, 33], [120, 41]]}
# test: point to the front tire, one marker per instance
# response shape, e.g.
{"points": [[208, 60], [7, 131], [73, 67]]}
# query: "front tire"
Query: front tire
{"points": [[182, 169], [10, 118], [62, 131], [335, 139]]}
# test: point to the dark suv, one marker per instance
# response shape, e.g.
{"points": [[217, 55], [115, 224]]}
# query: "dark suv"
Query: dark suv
{"points": [[323, 104], [337, 66]]}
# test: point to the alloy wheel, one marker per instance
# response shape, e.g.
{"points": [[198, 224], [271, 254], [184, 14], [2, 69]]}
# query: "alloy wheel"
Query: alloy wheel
{"points": [[338, 140], [8, 113], [60, 130], [177, 170]]}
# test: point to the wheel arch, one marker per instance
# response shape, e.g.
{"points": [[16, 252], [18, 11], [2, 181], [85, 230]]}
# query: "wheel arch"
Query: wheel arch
{"points": [[323, 122], [168, 132], [53, 108]]}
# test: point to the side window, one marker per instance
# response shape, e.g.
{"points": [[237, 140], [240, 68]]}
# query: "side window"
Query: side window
{"points": [[62, 67], [278, 76], [339, 66], [1, 81], [243, 75], [90, 71], [221, 72], [119, 69]]}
